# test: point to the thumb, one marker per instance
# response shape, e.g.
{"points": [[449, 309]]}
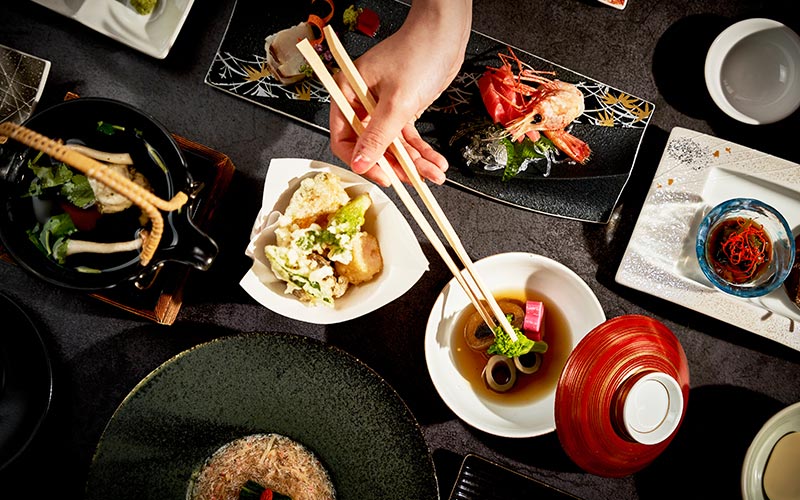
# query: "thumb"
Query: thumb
{"points": [[384, 125]]}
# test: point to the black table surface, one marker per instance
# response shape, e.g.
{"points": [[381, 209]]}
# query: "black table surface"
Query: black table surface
{"points": [[653, 49]]}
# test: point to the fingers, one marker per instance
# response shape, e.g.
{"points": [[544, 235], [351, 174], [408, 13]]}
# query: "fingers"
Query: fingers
{"points": [[343, 137], [362, 153], [386, 122], [430, 163]]}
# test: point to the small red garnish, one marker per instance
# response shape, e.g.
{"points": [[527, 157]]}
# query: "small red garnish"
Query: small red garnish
{"points": [[368, 22], [84, 218], [533, 324], [266, 494]]}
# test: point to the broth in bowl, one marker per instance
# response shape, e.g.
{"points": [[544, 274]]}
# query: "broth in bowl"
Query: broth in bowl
{"points": [[528, 387], [67, 207], [36, 190], [528, 408]]}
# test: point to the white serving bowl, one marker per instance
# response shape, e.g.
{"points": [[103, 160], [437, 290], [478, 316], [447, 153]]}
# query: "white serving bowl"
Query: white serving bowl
{"points": [[536, 275], [403, 259], [752, 71]]}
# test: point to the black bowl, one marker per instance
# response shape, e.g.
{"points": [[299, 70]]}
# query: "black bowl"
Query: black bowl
{"points": [[77, 121]]}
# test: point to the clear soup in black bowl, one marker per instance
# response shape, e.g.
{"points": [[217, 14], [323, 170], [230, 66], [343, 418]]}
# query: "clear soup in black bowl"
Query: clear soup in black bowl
{"points": [[110, 126]]}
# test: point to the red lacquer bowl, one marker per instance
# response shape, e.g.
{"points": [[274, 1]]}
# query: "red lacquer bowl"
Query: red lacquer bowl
{"points": [[596, 373]]}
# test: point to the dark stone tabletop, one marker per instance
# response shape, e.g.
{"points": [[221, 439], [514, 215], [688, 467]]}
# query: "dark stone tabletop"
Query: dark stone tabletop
{"points": [[653, 49]]}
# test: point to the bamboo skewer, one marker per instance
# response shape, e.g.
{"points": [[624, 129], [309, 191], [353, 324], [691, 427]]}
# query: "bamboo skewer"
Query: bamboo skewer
{"points": [[147, 201], [481, 297]]}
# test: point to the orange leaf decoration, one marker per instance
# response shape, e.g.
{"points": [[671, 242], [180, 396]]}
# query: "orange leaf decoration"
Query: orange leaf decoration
{"points": [[320, 22]]}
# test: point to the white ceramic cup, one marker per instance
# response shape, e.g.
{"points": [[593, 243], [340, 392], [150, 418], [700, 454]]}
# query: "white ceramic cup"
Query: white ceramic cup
{"points": [[752, 71], [652, 406]]}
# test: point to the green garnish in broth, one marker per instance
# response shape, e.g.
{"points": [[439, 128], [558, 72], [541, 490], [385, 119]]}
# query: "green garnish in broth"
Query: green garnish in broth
{"points": [[49, 236], [74, 187], [108, 128], [505, 346], [155, 156]]}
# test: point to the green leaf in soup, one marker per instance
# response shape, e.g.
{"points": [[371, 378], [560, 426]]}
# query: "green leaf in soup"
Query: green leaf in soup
{"points": [[79, 192], [507, 347], [50, 176], [60, 225], [60, 250], [108, 128], [55, 227], [33, 235]]}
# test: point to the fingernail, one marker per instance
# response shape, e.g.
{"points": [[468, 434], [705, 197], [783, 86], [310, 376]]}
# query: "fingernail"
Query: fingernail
{"points": [[362, 162]]}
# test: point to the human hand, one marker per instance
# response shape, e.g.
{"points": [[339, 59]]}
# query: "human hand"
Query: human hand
{"points": [[406, 73]]}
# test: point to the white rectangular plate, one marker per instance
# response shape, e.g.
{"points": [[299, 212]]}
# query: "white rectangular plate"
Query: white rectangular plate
{"points": [[697, 172], [152, 34]]}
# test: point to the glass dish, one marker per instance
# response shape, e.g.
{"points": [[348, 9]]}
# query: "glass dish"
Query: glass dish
{"points": [[776, 229]]}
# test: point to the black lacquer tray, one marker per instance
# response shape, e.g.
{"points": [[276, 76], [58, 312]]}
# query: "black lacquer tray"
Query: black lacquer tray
{"points": [[613, 123]]}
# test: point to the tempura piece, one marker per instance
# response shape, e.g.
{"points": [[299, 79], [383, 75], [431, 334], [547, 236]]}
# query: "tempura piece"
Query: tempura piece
{"points": [[316, 197], [367, 260], [320, 247]]}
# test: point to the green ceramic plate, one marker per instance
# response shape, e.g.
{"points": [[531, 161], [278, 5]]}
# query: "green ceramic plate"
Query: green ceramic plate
{"points": [[312, 392]]}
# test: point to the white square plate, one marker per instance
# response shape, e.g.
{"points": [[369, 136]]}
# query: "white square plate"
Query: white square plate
{"points": [[617, 4], [698, 171], [152, 34]]}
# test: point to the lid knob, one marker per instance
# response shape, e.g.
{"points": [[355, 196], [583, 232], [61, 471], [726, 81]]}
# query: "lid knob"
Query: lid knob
{"points": [[652, 405]]}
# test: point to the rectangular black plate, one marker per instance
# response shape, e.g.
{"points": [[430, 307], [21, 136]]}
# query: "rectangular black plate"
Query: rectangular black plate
{"points": [[481, 479], [613, 124]]}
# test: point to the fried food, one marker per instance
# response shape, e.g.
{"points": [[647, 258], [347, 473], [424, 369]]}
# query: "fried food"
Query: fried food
{"points": [[367, 260], [316, 197], [320, 247]]}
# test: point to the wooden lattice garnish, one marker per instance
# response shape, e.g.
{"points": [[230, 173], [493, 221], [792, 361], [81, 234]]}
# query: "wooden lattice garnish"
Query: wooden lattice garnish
{"points": [[144, 199]]}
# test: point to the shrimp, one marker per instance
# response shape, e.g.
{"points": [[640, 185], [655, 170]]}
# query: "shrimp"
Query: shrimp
{"points": [[528, 111]]}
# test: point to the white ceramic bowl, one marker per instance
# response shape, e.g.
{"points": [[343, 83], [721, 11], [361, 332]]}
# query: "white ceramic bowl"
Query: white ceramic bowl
{"points": [[536, 275], [403, 260], [755, 460], [752, 71]]}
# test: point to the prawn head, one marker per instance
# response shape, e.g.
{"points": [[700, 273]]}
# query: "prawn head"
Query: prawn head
{"points": [[554, 107]]}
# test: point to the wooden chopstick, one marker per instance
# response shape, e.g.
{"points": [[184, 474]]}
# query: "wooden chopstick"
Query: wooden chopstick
{"points": [[478, 297], [147, 201], [404, 159], [319, 67]]}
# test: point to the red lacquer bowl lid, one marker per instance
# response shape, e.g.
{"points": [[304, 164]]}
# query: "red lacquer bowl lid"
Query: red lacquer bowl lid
{"points": [[596, 374]]}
